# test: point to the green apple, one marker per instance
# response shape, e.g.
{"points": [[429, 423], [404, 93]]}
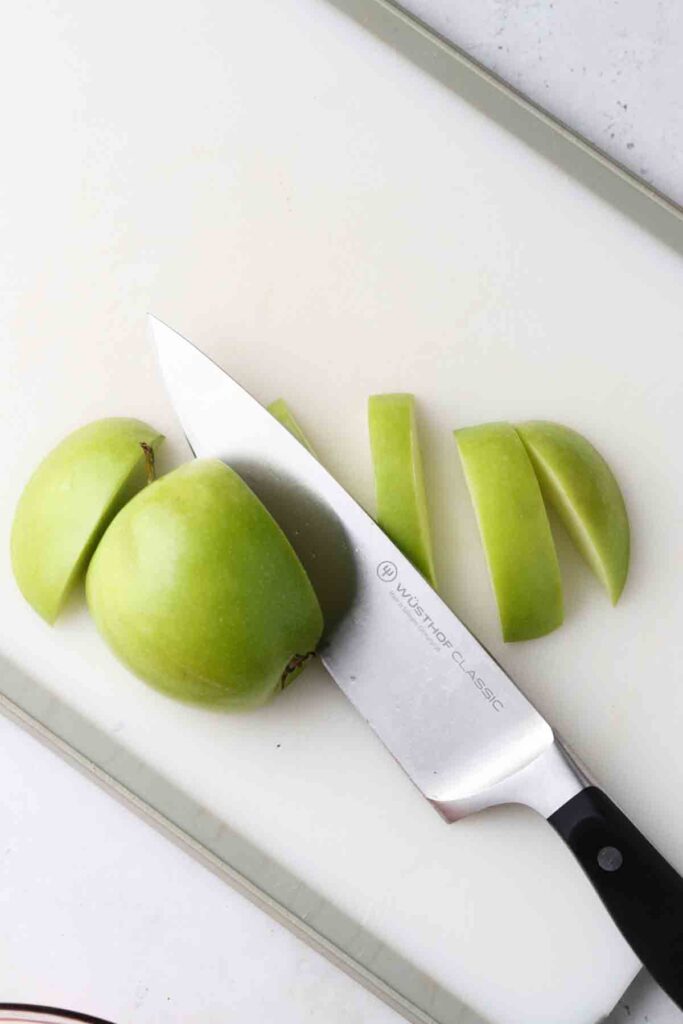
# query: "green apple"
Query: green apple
{"points": [[514, 528], [399, 481], [67, 504], [281, 411], [198, 591], [577, 482]]}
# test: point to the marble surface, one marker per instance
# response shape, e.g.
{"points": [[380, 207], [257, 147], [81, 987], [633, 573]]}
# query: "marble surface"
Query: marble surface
{"points": [[103, 915], [612, 71]]}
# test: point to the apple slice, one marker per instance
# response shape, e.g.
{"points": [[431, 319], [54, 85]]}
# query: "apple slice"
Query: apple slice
{"points": [[514, 529], [281, 411], [399, 483], [577, 482], [67, 504]]}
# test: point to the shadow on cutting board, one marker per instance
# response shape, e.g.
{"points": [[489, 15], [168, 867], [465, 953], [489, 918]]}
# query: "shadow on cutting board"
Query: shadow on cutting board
{"points": [[512, 111]]}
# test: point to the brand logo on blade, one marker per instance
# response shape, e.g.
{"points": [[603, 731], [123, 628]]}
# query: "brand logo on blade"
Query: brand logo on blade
{"points": [[388, 572]]}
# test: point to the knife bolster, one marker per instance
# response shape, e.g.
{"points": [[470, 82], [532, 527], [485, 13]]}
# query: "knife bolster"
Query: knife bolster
{"points": [[548, 782]]}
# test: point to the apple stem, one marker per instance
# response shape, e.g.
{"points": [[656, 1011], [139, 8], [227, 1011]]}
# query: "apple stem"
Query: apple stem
{"points": [[295, 663], [149, 461]]}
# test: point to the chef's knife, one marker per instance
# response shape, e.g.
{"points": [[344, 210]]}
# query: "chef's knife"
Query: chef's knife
{"points": [[448, 713]]}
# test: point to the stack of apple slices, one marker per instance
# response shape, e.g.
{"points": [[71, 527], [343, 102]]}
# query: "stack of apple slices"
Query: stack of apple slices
{"points": [[509, 472], [197, 590]]}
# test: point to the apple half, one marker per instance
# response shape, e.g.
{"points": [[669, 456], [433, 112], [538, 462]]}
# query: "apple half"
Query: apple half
{"points": [[198, 591], [514, 528], [577, 482], [68, 502], [284, 415], [399, 480]]}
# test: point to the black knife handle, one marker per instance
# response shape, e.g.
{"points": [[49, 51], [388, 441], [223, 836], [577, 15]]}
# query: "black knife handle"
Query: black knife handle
{"points": [[641, 891]]}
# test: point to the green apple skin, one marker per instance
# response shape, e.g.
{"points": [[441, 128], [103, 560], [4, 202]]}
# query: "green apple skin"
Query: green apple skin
{"points": [[284, 415], [514, 527], [399, 480], [577, 482], [198, 591], [67, 504]]}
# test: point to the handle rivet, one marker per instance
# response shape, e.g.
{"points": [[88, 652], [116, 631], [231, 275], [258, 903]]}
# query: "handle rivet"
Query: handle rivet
{"points": [[610, 859]]}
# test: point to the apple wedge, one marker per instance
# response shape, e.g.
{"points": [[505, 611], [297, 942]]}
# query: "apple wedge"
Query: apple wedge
{"points": [[514, 528], [284, 415], [67, 504], [577, 482], [399, 483]]}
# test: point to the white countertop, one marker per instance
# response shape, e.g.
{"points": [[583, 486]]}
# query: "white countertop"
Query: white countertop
{"points": [[611, 71], [103, 915]]}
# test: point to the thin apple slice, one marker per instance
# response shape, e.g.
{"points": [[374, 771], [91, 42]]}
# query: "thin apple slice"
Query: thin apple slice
{"points": [[69, 501], [399, 482], [577, 482], [281, 411], [514, 528]]}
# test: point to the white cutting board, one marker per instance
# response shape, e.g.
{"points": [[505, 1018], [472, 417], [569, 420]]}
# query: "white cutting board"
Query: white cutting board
{"points": [[327, 221]]}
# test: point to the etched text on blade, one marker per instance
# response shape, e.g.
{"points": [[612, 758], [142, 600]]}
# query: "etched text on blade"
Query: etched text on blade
{"points": [[444, 708]]}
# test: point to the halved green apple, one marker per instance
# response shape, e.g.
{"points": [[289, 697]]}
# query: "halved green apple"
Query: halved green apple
{"points": [[68, 502], [577, 482], [399, 481], [198, 591], [281, 411], [514, 528]]}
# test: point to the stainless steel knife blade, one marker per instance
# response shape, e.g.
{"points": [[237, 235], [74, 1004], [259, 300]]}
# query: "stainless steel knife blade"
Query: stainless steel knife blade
{"points": [[445, 709]]}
